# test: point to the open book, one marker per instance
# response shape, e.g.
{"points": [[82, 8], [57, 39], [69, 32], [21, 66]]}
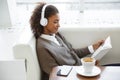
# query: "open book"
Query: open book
{"points": [[103, 49]]}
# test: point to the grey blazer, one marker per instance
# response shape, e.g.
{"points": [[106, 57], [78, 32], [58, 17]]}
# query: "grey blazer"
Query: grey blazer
{"points": [[50, 54]]}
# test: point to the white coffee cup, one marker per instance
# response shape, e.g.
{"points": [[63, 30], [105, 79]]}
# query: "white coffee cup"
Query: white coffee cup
{"points": [[88, 64]]}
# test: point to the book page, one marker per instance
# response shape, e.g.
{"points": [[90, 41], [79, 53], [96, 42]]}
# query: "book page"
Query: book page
{"points": [[103, 49]]}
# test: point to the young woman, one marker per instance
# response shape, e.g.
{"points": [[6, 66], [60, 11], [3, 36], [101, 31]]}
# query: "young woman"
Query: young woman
{"points": [[52, 48]]}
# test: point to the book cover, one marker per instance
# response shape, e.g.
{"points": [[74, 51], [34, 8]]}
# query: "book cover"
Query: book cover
{"points": [[103, 49]]}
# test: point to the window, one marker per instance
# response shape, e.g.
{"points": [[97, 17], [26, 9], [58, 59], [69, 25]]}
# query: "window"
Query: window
{"points": [[80, 11]]}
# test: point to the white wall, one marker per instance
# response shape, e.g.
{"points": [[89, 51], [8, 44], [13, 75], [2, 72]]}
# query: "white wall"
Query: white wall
{"points": [[7, 13], [4, 14]]}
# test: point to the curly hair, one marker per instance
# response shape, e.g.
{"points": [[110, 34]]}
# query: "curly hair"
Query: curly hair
{"points": [[35, 25]]}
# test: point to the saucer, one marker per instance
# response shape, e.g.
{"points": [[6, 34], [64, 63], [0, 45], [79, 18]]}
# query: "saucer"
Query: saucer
{"points": [[96, 71]]}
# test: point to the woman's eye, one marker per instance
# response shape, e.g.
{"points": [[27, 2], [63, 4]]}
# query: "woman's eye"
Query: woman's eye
{"points": [[56, 22]]}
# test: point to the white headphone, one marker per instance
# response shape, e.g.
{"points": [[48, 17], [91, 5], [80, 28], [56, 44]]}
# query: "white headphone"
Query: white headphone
{"points": [[43, 20]]}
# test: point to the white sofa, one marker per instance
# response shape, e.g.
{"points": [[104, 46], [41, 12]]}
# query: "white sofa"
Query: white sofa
{"points": [[81, 37], [78, 37], [24, 48]]}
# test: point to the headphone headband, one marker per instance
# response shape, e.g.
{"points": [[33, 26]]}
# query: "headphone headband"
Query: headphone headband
{"points": [[43, 20], [43, 10]]}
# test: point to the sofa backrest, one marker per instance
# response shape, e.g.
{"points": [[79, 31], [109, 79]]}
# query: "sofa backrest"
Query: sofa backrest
{"points": [[25, 48], [82, 37]]}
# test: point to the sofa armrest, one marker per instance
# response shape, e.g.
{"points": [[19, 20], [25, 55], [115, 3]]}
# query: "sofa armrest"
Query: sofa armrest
{"points": [[25, 51]]}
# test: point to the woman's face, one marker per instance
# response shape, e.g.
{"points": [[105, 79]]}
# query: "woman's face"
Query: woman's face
{"points": [[53, 24]]}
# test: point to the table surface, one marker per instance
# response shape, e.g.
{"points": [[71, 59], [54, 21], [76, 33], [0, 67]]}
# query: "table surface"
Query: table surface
{"points": [[107, 73]]}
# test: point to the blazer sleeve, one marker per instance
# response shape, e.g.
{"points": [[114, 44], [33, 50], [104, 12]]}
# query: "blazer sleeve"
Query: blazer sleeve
{"points": [[81, 52], [46, 61]]}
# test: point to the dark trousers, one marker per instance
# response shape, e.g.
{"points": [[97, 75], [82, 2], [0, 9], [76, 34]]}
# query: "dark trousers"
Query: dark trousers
{"points": [[45, 76]]}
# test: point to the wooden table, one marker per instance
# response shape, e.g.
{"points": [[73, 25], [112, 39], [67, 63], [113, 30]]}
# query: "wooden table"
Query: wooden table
{"points": [[107, 73]]}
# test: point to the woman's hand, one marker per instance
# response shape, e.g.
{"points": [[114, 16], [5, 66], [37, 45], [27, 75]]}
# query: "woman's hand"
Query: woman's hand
{"points": [[98, 44], [97, 63]]}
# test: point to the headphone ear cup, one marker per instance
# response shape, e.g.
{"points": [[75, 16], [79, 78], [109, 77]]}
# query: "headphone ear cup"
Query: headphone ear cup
{"points": [[44, 21]]}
